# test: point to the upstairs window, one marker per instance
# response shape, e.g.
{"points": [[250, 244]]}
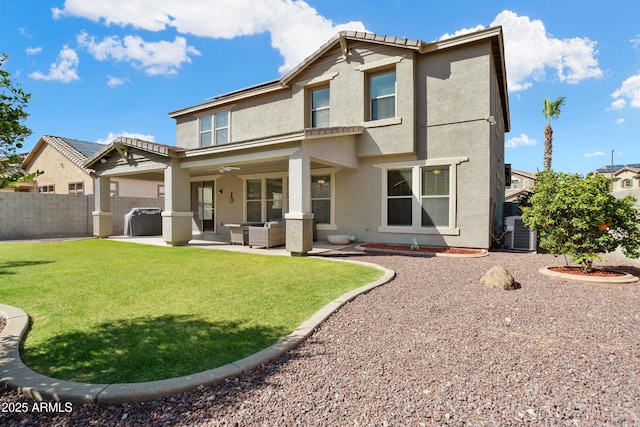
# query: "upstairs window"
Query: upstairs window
{"points": [[382, 95], [221, 121], [205, 131], [627, 183], [214, 130], [320, 108]]}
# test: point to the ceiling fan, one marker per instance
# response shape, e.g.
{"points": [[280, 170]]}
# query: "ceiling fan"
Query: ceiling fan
{"points": [[223, 169]]}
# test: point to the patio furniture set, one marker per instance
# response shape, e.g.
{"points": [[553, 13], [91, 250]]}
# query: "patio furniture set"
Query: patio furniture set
{"points": [[266, 235]]}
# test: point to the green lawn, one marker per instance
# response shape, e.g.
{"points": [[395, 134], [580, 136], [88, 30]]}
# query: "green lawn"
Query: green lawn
{"points": [[114, 312]]}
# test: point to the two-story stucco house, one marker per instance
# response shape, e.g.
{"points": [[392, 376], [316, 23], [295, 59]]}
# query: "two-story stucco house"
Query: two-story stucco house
{"points": [[383, 138], [521, 182], [625, 177]]}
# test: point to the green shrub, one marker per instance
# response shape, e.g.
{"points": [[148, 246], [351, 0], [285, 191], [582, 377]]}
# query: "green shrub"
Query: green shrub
{"points": [[579, 217]]}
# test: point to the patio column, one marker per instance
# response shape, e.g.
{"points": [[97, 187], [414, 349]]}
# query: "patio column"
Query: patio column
{"points": [[177, 215], [299, 218], [102, 215]]}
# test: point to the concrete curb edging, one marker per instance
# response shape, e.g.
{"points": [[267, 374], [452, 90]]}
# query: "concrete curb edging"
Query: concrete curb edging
{"points": [[15, 375], [599, 280]]}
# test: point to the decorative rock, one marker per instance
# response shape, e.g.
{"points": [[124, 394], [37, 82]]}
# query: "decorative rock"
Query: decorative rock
{"points": [[499, 278]]}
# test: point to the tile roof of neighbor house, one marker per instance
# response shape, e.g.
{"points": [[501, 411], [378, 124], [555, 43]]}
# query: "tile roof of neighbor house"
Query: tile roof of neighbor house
{"points": [[531, 175], [75, 150]]}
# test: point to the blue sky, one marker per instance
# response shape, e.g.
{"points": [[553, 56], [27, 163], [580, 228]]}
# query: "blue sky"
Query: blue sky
{"points": [[97, 70]]}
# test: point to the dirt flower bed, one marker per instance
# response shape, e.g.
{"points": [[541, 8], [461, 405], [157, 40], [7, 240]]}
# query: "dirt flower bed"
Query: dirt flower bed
{"points": [[423, 249], [578, 271]]}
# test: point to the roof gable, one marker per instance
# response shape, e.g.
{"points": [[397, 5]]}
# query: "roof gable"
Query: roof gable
{"points": [[77, 151], [530, 175], [121, 144]]}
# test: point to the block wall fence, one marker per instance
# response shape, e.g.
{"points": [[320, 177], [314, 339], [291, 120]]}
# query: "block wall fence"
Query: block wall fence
{"points": [[41, 216]]}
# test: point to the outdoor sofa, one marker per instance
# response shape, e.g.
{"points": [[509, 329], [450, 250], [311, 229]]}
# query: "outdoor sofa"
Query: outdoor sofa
{"points": [[271, 234]]}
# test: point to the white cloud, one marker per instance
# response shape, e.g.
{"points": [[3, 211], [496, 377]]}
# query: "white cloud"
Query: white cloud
{"points": [[594, 154], [33, 50], [530, 51], [113, 135], [635, 41], [630, 90], [116, 81], [154, 58], [618, 104], [619, 121], [65, 69], [462, 31], [520, 141], [296, 28]]}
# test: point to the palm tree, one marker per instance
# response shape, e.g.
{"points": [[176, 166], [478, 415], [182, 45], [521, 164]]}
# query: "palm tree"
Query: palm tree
{"points": [[550, 111]]}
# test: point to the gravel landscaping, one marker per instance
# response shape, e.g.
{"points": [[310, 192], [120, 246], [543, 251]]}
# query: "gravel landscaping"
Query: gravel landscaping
{"points": [[433, 347]]}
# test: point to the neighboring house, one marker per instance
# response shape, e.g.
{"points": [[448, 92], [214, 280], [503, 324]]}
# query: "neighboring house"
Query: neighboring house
{"points": [[383, 138], [62, 159], [19, 186], [625, 177], [521, 182]]}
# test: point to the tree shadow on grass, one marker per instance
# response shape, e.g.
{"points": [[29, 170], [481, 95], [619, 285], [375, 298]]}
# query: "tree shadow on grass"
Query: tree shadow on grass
{"points": [[7, 266], [147, 349]]}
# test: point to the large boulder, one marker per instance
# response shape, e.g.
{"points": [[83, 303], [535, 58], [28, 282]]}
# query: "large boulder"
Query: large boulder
{"points": [[499, 278]]}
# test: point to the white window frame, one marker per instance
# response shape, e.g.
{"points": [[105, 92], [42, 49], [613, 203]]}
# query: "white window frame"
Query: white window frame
{"points": [[73, 187], [114, 192], [416, 189], [374, 68], [331, 173], [626, 183], [217, 128], [313, 110], [370, 97], [201, 132], [263, 197], [46, 188], [213, 132]]}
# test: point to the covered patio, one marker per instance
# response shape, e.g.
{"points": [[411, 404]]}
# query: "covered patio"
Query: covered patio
{"points": [[249, 182]]}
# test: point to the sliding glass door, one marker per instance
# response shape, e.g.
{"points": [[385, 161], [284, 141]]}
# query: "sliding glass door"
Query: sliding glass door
{"points": [[202, 205]]}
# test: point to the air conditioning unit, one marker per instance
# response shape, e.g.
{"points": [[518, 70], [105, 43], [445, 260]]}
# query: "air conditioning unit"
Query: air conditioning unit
{"points": [[520, 237]]}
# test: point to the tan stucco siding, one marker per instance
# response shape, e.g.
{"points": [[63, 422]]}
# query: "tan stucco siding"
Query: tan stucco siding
{"points": [[59, 171], [128, 187], [459, 100], [360, 201], [262, 116]]}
